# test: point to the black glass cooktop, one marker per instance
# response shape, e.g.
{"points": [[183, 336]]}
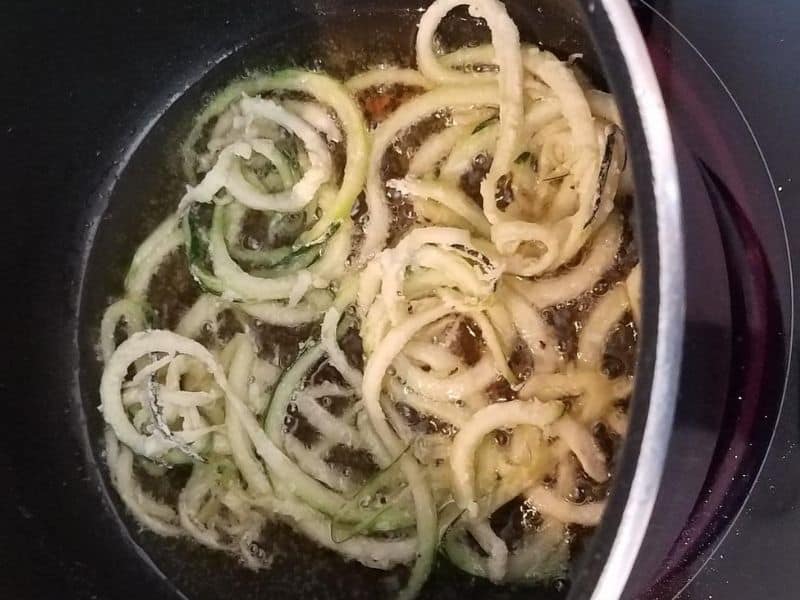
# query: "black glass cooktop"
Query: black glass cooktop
{"points": [[728, 74], [714, 59]]}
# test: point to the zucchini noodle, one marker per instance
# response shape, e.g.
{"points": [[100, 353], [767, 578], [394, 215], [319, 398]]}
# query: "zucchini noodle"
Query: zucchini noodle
{"points": [[126, 310], [316, 115], [565, 511], [609, 310], [278, 313], [241, 449], [582, 444], [239, 284], [465, 150], [164, 240], [450, 197], [441, 145], [494, 416], [377, 227], [152, 514], [386, 76], [394, 340], [533, 330], [633, 286], [556, 289], [494, 546], [336, 357], [451, 388]]}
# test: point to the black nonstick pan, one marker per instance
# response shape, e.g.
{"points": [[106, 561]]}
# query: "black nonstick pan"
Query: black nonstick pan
{"points": [[96, 100]]}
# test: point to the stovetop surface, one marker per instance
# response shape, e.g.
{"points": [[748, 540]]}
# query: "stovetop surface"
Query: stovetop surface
{"points": [[753, 47]]}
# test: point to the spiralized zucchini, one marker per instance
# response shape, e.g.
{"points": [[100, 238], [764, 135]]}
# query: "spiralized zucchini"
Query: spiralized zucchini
{"points": [[385, 385]]}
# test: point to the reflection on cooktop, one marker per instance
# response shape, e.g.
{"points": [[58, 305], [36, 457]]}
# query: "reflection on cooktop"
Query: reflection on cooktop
{"points": [[734, 545]]}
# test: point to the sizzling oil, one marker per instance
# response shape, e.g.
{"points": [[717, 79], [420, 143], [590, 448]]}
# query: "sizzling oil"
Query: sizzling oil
{"points": [[298, 567]]}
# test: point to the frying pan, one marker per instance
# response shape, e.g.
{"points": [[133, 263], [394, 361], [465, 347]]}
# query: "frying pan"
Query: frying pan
{"points": [[99, 96]]}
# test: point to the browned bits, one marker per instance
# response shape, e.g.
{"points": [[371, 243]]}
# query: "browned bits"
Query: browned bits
{"points": [[463, 338], [379, 102], [500, 391]]}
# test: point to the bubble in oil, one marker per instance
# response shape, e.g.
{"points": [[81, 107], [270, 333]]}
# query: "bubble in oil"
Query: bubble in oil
{"points": [[501, 437], [290, 424], [252, 243]]}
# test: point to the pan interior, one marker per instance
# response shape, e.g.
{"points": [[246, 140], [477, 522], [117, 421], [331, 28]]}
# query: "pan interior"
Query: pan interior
{"points": [[336, 40]]}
